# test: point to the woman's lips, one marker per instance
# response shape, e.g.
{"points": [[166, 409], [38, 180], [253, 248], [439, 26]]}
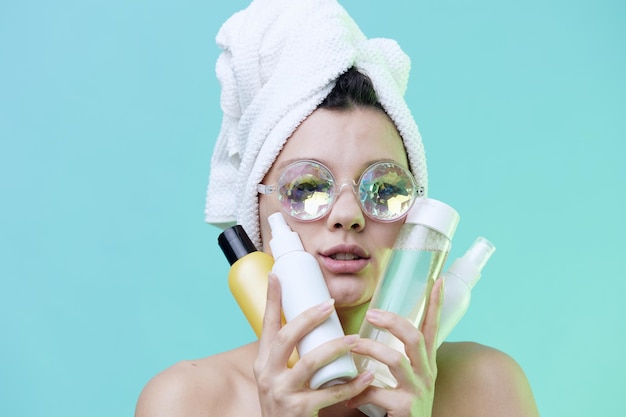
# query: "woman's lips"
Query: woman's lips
{"points": [[336, 266], [344, 259]]}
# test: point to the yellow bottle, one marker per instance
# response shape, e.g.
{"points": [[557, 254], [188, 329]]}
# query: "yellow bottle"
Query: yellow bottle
{"points": [[247, 277]]}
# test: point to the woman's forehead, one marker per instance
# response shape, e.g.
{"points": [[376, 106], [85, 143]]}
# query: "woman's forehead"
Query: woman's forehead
{"points": [[365, 135]]}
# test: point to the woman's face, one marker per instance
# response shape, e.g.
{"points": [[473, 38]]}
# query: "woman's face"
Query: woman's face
{"points": [[347, 142]]}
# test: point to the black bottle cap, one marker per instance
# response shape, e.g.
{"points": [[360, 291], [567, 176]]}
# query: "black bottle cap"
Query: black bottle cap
{"points": [[235, 243]]}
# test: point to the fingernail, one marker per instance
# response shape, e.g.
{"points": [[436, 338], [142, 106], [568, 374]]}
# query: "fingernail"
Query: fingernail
{"points": [[271, 278], [374, 314], [441, 288], [351, 339], [367, 376], [326, 306]]}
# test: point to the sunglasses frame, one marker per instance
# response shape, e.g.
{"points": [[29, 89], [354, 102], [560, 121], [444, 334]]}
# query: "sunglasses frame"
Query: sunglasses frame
{"points": [[418, 191]]}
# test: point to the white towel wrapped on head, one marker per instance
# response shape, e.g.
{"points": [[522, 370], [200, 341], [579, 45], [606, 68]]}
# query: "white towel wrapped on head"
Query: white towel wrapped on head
{"points": [[279, 60]]}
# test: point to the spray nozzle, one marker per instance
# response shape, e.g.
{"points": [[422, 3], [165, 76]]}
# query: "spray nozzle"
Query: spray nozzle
{"points": [[469, 266], [278, 224], [480, 252], [283, 238]]}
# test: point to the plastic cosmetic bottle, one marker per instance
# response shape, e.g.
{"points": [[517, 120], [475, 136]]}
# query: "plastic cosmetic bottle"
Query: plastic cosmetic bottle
{"points": [[417, 258], [247, 277], [303, 286], [460, 278]]}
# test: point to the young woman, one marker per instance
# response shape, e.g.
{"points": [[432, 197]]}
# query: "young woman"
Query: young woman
{"points": [[340, 139]]}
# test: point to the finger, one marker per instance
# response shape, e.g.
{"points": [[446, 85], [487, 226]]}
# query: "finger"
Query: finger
{"points": [[421, 365], [404, 336], [284, 341], [380, 398], [392, 355], [404, 353], [342, 392], [430, 325], [309, 319], [322, 355], [271, 318], [395, 324]]}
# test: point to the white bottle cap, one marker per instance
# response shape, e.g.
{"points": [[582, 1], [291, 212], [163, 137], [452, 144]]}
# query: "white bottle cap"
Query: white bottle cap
{"points": [[283, 240], [435, 215]]}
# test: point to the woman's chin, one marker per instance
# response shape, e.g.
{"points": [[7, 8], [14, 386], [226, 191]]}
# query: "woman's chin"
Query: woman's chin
{"points": [[347, 294]]}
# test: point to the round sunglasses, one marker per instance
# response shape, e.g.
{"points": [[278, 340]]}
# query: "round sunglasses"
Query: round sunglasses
{"points": [[307, 190]]}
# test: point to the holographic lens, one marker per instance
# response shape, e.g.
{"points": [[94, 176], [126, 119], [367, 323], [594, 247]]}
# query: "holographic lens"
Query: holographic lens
{"points": [[307, 190]]}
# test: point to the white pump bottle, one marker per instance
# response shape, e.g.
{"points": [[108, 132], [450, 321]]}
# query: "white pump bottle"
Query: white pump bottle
{"points": [[303, 286], [459, 280]]}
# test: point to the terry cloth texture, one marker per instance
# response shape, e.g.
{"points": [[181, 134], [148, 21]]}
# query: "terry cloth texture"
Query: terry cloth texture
{"points": [[279, 60]]}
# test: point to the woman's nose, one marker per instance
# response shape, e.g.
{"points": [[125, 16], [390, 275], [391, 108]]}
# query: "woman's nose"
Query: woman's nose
{"points": [[346, 212]]}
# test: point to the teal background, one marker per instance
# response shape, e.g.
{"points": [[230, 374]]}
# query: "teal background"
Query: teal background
{"points": [[108, 115]]}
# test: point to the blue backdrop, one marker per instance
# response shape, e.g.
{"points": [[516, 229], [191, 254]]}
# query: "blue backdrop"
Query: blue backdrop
{"points": [[108, 115]]}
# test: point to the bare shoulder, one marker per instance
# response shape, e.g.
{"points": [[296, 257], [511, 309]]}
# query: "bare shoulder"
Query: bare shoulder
{"points": [[477, 380], [215, 385]]}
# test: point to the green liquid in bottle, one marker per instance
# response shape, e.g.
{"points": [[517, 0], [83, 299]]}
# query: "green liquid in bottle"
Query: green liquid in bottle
{"points": [[403, 290]]}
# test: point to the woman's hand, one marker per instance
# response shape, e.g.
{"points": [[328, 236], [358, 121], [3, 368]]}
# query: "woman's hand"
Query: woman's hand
{"points": [[416, 372], [283, 391]]}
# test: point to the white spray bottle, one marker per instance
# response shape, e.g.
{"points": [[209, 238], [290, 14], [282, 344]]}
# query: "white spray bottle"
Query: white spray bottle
{"points": [[303, 286], [459, 280]]}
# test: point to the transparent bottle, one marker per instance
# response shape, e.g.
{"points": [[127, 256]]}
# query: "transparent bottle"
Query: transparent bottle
{"points": [[417, 258]]}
